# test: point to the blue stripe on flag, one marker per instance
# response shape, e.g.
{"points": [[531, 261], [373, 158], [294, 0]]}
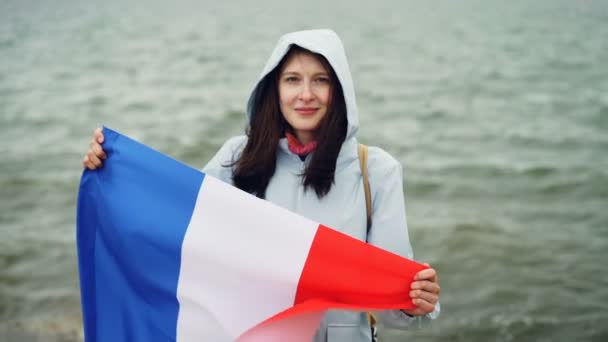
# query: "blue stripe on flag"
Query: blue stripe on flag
{"points": [[132, 217]]}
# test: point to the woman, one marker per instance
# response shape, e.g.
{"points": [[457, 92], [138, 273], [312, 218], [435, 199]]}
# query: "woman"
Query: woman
{"points": [[300, 152]]}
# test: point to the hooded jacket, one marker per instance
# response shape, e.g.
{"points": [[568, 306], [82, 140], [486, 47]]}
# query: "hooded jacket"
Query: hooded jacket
{"points": [[343, 208]]}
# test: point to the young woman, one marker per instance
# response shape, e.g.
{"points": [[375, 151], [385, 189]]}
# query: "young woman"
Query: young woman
{"points": [[300, 152]]}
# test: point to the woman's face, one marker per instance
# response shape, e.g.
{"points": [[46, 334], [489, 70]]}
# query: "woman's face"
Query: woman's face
{"points": [[304, 94]]}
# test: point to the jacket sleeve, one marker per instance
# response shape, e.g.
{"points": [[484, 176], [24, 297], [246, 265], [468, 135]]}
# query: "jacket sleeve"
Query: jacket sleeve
{"points": [[389, 225], [219, 166]]}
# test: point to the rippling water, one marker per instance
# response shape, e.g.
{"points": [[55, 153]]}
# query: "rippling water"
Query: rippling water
{"points": [[498, 111]]}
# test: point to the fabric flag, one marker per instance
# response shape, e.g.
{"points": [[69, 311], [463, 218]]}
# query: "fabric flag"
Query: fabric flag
{"points": [[167, 253]]}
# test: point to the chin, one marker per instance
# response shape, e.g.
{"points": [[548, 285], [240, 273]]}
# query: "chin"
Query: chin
{"points": [[306, 127]]}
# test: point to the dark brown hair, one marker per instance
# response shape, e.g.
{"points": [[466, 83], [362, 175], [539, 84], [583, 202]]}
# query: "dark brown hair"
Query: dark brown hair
{"points": [[257, 163]]}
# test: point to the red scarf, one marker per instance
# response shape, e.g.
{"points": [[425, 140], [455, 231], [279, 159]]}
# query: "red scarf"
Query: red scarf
{"points": [[296, 147]]}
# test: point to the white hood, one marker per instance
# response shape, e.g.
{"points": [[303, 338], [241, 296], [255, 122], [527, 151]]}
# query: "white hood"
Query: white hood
{"points": [[328, 44]]}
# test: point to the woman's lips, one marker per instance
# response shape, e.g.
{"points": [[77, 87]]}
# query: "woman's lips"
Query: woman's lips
{"points": [[306, 110]]}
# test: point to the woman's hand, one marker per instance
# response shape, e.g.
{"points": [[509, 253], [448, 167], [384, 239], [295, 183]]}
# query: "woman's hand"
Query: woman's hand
{"points": [[95, 156], [425, 292]]}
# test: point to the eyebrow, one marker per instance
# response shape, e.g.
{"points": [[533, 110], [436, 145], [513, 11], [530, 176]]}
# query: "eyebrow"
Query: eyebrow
{"points": [[298, 74]]}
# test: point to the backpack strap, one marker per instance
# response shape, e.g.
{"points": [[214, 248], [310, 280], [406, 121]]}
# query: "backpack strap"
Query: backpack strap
{"points": [[368, 194], [371, 318]]}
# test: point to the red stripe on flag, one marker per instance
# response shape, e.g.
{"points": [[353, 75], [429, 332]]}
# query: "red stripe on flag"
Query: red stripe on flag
{"points": [[340, 272], [349, 272]]}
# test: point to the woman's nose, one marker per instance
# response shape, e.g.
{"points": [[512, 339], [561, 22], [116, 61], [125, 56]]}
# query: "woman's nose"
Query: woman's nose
{"points": [[306, 93]]}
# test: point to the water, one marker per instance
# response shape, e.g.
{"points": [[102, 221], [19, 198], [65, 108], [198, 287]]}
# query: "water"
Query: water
{"points": [[498, 111]]}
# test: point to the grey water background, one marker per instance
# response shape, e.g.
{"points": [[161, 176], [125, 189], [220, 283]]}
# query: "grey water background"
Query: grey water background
{"points": [[497, 110]]}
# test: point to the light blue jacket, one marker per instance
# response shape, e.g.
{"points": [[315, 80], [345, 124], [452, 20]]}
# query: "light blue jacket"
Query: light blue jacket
{"points": [[343, 208]]}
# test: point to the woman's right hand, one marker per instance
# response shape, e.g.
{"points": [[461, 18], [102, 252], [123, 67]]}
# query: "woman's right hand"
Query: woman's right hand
{"points": [[95, 156]]}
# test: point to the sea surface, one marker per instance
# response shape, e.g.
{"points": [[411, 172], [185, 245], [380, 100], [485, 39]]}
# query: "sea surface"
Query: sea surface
{"points": [[498, 111]]}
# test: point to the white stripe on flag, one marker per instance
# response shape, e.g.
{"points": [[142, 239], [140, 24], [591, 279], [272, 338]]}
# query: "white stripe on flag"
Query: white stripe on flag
{"points": [[250, 252]]}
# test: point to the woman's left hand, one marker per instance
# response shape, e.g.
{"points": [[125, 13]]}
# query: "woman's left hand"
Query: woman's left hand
{"points": [[424, 292]]}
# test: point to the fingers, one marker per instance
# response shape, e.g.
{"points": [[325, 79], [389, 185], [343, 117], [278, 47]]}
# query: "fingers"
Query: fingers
{"points": [[94, 157], [96, 142], [87, 163], [423, 307], [97, 150], [426, 286], [424, 300], [430, 297], [425, 291], [98, 135], [427, 274]]}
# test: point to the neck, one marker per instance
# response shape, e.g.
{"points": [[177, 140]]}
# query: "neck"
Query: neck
{"points": [[297, 147], [304, 138]]}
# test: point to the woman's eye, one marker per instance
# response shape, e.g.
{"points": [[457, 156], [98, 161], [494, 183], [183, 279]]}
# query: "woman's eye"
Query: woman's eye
{"points": [[291, 79], [322, 80]]}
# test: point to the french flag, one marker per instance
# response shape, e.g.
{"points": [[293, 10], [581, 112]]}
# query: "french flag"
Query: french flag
{"points": [[167, 253]]}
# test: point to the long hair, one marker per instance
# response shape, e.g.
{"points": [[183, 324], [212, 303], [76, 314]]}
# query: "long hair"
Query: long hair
{"points": [[257, 163]]}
